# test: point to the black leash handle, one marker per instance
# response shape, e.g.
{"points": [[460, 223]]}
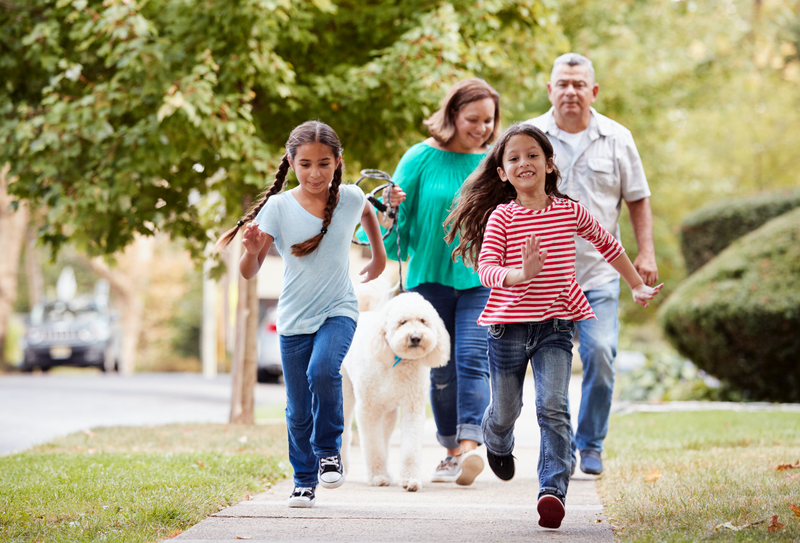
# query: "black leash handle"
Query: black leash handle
{"points": [[391, 212]]}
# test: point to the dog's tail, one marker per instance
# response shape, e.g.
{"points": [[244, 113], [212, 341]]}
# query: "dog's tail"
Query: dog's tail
{"points": [[374, 294]]}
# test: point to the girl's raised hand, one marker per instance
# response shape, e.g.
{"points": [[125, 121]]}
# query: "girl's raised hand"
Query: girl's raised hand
{"points": [[642, 293], [253, 238], [532, 258]]}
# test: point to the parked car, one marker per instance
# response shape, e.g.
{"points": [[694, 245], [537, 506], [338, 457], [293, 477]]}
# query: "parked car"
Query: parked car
{"points": [[80, 332], [268, 357]]}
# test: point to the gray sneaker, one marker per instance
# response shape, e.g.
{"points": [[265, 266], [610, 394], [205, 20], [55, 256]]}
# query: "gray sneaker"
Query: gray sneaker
{"points": [[448, 470]]}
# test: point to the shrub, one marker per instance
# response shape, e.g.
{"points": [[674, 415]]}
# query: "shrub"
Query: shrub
{"points": [[710, 229], [738, 318], [667, 376]]}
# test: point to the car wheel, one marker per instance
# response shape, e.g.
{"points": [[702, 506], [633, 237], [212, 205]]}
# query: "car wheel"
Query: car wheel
{"points": [[263, 376]]}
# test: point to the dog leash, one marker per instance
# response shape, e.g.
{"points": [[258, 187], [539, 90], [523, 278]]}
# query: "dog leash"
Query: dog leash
{"points": [[391, 213]]}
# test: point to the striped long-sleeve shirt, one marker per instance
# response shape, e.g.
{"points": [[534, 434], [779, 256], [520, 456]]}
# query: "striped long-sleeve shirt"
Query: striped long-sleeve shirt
{"points": [[554, 292]]}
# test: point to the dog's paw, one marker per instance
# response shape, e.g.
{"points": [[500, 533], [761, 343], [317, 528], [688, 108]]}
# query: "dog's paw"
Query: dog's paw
{"points": [[412, 485], [380, 480]]}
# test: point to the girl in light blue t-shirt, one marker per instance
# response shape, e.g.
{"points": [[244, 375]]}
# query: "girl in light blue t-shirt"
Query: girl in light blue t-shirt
{"points": [[311, 227]]}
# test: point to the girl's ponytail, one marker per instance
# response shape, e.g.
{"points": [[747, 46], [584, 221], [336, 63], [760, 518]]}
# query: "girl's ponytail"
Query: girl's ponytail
{"points": [[309, 245], [277, 186]]}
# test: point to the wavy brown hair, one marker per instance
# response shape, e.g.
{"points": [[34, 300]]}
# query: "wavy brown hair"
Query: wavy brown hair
{"points": [[442, 124], [308, 132], [483, 191]]}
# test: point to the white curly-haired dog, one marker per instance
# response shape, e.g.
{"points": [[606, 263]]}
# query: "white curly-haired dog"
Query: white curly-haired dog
{"points": [[388, 369]]}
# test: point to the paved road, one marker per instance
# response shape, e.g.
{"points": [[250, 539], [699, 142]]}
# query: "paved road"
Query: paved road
{"points": [[35, 408]]}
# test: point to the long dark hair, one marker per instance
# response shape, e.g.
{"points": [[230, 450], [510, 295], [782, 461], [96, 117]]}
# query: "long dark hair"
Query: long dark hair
{"points": [[483, 191], [308, 132]]}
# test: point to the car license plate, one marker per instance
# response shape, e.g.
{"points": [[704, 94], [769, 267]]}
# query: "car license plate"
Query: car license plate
{"points": [[60, 352]]}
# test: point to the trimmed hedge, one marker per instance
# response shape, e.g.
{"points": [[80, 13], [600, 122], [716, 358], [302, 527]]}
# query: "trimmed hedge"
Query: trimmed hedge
{"points": [[738, 318], [708, 230]]}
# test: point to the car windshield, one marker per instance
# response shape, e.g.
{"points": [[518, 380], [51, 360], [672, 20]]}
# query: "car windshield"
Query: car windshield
{"points": [[64, 312]]}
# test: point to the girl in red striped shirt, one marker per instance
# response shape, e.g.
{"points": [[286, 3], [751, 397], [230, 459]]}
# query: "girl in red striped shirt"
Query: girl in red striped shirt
{"points": [[517, 230]]}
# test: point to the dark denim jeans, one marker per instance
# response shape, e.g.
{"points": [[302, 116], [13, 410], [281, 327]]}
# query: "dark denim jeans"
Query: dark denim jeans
{"points": [[598, 348], [548, 346], [460, 390], [314, 414]]}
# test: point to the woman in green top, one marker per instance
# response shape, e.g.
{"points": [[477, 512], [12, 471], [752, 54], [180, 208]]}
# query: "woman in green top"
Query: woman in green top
{"points": [[428, 177]]}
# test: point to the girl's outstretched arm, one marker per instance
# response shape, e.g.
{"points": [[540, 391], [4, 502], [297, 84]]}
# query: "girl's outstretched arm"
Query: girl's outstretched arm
{"points": [[256, 244], [641, 292], [375, 267]]}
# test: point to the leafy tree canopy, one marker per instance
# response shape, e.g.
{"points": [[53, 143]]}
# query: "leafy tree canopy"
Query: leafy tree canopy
{"points": [[135, 116]]}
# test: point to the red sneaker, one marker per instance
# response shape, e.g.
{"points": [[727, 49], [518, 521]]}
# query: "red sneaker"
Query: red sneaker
{"points": [[551, 511]]}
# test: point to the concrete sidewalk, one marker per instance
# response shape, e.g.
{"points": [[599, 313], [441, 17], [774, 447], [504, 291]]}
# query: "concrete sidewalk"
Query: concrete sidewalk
{"points": [[487, 511]]}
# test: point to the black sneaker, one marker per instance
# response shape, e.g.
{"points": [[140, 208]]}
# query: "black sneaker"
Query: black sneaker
{"points": [[502, 466], [302, 496], [331, 471]]}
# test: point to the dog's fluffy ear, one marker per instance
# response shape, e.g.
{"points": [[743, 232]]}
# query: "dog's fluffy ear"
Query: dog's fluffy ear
{"points": [[440, 354], [379, 347]]}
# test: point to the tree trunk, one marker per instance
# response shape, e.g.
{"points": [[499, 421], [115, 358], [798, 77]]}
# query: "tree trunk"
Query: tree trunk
{"points": [[33, 266], [128, 281], [244, 358], [13, 225]]}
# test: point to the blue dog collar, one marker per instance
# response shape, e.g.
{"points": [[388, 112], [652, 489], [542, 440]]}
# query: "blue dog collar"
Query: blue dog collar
{"points": [[397, 360]]}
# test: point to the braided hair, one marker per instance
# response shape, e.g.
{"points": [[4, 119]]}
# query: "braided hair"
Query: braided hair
{"points": [[483, 191], [308, 132]]}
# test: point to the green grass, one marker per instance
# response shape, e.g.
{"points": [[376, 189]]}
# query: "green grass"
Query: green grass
{"points": [[134, 484], [677, 476]]}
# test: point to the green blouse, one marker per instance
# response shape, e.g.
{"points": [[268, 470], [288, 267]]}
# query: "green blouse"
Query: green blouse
{"points": [[431, 178]]}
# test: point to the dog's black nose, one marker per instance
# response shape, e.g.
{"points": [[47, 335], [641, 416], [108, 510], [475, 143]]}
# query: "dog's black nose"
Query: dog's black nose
{"points": [[414, 340]]}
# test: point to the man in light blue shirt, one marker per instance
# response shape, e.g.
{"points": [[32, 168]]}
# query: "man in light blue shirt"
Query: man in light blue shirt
{"points": [[600, 166]]}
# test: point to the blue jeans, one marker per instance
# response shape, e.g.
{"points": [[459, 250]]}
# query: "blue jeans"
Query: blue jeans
{"points": [[314, 415], [548, 346], [598, 348], [460, 390]]}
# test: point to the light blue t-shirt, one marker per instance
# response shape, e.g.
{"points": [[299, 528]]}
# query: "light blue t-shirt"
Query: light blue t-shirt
{"points": [[315, 286]]}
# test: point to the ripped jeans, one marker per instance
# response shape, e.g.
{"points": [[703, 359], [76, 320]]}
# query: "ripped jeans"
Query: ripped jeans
{"points": [[460, 390], [547, 346]]}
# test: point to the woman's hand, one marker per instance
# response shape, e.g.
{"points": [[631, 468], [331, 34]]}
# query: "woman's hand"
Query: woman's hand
{"points": [[398, 197], [642, 293], [253, 238]]}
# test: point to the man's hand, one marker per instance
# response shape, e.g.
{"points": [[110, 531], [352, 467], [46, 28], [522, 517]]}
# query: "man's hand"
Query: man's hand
{"points": [[253, 238], [647, 268]]}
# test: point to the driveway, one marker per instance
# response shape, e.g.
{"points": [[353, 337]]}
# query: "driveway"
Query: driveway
{"points": [[35, 408]]}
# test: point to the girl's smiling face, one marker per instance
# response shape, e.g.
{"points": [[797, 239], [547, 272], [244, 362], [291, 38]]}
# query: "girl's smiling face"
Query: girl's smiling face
{"points": [[525, 165], [314, 165]]}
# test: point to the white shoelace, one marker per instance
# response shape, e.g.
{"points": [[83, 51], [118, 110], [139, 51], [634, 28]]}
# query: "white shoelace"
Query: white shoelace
{"points": [[329, 461]]}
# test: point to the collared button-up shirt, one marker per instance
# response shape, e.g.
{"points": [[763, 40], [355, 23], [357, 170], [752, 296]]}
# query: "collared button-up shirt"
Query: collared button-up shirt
{"points": [[600, 172]]}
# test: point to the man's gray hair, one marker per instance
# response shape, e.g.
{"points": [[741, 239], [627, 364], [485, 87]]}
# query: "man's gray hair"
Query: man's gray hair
{"points": [[573, 59]]}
